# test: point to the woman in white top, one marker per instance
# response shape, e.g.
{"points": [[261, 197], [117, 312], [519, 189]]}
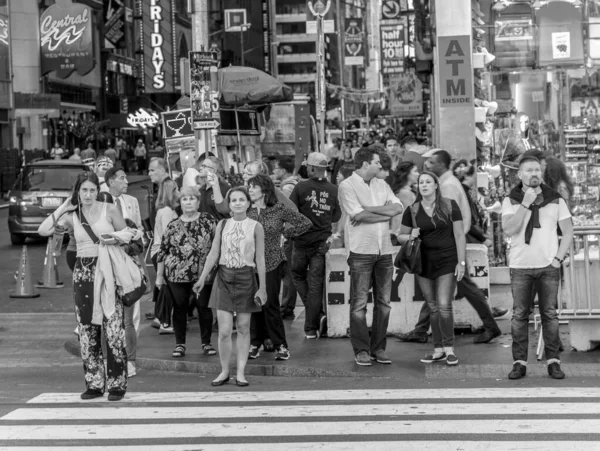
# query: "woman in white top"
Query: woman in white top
{"points": [[239, 250], [82, 212]]}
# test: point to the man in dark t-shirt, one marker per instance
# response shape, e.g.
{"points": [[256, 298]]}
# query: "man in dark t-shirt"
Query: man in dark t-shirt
{"points": [[317, 199]]}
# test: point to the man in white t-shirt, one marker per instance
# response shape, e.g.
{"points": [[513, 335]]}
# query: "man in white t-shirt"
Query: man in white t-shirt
{"points": [[530, 217]]}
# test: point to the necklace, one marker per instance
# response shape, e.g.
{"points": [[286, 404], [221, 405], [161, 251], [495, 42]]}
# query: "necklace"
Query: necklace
{"points": [[429, 207]]}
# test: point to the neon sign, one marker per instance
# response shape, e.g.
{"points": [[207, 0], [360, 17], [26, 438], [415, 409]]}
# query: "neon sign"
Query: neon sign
{"points": [[158, 45], [143, 119], [69, 30]]}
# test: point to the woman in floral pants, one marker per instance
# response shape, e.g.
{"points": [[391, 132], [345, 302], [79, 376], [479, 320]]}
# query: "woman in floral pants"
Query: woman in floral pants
{"points": [[82, 213]]}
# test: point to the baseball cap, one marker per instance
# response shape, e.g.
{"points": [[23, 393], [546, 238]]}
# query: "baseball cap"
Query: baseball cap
{"points": [[317, 159]]}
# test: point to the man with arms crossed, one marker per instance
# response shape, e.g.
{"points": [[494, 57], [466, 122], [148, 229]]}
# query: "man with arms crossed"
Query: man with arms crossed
{"points": [[369, 204], [530, 217]]}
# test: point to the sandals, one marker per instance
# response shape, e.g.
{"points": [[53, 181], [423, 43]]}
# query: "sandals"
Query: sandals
{"points": [[208, 350], [179, 351]]}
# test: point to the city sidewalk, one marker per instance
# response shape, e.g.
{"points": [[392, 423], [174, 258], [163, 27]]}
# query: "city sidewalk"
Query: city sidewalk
{"points": [[334, 358]]}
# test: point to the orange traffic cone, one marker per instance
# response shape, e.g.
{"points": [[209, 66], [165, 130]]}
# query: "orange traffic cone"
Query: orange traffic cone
{"points": [[24, 287], [50, 275]]}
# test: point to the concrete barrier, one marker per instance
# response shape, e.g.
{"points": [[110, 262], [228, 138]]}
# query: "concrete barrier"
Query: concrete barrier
{"points": [[406, 297]]}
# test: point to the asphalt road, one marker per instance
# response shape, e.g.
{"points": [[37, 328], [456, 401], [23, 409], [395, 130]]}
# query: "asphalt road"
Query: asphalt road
{"points": [[40, 383]]}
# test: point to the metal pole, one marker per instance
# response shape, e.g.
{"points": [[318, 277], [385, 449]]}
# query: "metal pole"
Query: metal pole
{"points": [[242, 42], [340, 27], [321, 82], [200, 43]]}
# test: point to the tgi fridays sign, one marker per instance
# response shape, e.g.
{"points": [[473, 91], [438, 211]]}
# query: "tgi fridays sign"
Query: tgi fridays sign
{"points": [[455, 71], [157, 33], [66, 39]]}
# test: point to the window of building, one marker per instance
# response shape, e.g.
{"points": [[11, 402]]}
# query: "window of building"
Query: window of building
{"points": [[302, 88], [297, 68], [290, 7], [291, 28], [296, 48]]}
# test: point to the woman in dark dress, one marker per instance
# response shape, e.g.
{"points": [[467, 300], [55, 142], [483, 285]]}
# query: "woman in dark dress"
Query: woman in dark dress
{"points": [[443, 248]]}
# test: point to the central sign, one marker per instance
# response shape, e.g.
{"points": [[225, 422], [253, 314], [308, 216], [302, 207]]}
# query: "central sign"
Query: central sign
{"points": [[456, 71], [66, 39]]}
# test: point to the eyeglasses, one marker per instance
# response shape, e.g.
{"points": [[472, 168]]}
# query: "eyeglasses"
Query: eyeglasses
{"points": [[205, 166]]}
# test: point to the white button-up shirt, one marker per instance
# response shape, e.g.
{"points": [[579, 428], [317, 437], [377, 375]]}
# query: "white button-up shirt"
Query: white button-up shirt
{"points": [[355, 194]]}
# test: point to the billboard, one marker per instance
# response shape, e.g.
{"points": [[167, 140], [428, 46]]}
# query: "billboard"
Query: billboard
{"points": [[392, 48], [456, 71], [66, 39], [405, 95], [159, 46], [354, 36]]}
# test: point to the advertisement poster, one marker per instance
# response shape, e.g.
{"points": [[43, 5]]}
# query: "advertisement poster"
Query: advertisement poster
{"points": [[513, 30], [405, 95], [561, 45], [66, 39], [392, 49], [114, 25], [456, 71], [204, 96], [354, 51]]}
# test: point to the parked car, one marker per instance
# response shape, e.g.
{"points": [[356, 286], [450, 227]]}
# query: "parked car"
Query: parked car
{"points": [[41, 187]]}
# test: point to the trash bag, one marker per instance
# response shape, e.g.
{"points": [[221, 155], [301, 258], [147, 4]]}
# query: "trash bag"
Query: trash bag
{"points": [[163, 309]]}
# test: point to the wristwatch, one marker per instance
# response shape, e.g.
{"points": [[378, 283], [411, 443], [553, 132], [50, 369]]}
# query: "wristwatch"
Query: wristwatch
{"points": [[462, 263], [559, 260]]}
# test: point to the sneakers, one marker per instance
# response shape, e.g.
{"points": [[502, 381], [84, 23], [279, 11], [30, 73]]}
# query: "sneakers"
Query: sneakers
{"points": [[131, 371], [116, 395], [312, 335], [381, 357], [283, 353], [498, 312], [254, 352], [432, 358], [322, 326], [90, 393], [451, 359], [555, 372], [165, 330], [412, 337], [519, 370], [156, 323], [362, 359], [487, 335]]}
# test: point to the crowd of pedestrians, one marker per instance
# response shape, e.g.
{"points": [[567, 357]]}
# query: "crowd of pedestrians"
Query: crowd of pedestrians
{"points": [[227, 252]]}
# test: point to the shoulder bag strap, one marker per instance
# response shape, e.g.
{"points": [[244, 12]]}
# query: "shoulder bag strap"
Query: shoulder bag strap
{"points": [[413, 214], [88, 229]]}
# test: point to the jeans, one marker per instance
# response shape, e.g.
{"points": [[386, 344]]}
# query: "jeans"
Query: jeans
{"points": [[268, 323], [132, 326], [181, 299], [546, 281], [367, 269], [289, 295], [438, 295], [476, 298], [308, 268]]}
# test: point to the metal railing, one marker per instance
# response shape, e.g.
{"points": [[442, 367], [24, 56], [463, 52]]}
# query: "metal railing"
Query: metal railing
{"points": [[581, 291]]}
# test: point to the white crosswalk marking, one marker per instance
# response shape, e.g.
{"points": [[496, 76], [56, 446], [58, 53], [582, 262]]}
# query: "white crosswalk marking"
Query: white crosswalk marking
{"points": [[433, 419]]}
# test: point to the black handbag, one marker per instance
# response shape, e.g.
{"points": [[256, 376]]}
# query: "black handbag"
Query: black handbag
{"points": [[212, 274], [409, 256]]}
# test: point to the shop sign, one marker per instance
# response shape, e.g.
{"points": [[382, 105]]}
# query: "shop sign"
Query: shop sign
{"points": [[143, 119], [177, 124], [5, 63], [204, 95], [159, 42], [406, 95], [354, 37], [114, 27], [66, 39], [34, 101], [390, 9], [455, 71], [392, 48]]}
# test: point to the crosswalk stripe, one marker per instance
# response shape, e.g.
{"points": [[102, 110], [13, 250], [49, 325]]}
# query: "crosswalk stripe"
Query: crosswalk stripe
{"points": [[333, 395], [93, 432], [179, 412], [343, 446]]}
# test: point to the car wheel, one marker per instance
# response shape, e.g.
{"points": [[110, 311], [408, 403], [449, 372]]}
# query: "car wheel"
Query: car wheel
{"points": [[17, 239]]}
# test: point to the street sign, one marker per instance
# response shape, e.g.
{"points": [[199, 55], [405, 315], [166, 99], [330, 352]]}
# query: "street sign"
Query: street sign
{"points": [[177, 124], [235, 19], [328, 27], [206, 125], [390, 9], [203, 82]]}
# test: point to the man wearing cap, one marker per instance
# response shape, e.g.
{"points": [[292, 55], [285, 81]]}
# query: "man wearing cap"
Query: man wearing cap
{"points": [[317, 199]]}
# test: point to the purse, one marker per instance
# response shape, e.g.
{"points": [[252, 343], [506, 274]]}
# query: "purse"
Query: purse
{"points": [[409, 256], [212, 274], [132, 297]]}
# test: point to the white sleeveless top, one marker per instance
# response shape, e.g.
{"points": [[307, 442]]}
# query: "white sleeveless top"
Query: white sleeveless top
{"points": [[85, 246], [237, 243]]}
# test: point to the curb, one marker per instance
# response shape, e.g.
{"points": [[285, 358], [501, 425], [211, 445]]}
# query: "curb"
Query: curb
{"points": [[215, 368]]}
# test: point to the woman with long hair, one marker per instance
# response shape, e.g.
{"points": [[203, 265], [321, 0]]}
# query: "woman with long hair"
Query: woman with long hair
{"points": [[557, 178], [346, 158], [443, 248], [277, 220], [405, 178], [83, 213], [167, 201], [239, 250], [184, 247]]}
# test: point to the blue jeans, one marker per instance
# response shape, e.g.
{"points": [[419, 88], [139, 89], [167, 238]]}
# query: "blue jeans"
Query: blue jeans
{"points": [[308, 268], [438, 295], [546, 281], [366, 270]]}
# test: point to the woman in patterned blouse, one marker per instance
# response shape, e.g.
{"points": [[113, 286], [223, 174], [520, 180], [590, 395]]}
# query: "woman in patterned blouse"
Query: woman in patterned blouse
{"points": [[277, 220], [185, 244]]}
